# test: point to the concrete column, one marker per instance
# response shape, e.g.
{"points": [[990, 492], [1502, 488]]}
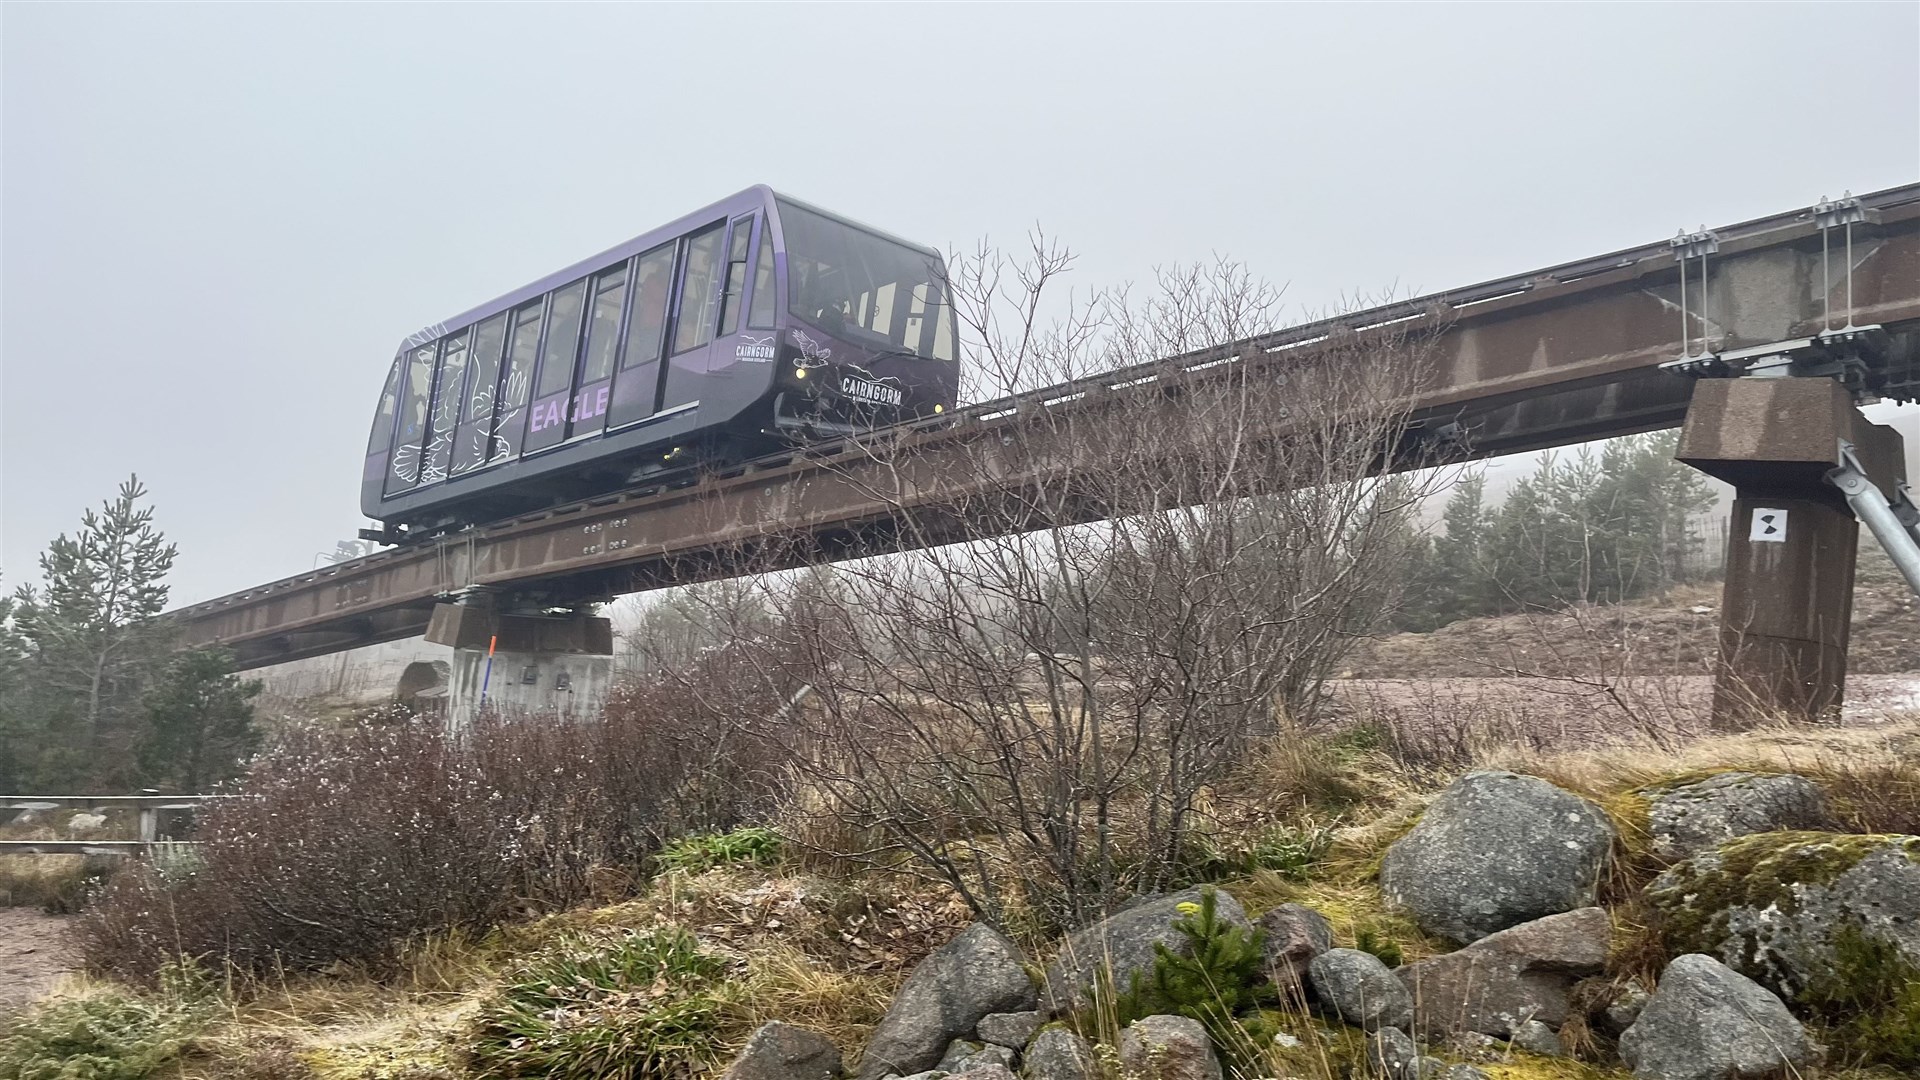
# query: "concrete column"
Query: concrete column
{"points": [[562, 684], [1785, 608], [1789, 591], [523, 663]]}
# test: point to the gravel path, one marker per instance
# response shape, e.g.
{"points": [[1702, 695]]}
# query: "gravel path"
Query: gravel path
{"points": [[33, 955]]}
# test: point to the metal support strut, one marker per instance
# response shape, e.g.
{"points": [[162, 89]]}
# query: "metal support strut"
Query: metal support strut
{"points": [[1895, 525]]}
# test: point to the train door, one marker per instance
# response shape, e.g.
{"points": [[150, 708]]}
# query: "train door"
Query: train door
{"points": [[600, 340], [694, 316], [636, 385], [752, 348], [516, 383], [472, 439], [443, 414], [559, 351]]}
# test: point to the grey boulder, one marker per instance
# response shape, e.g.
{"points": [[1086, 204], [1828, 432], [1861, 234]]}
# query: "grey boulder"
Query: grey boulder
{"points": [[1777, 907], [976, 974], [965, 1056], [1497, 849], [1624, 1009], [1168, 1048], [1013, 1029], [1687, 819], [957, 1051], [1393, 1055], [990, 1071], [1059, 1054], [1361, 990], [778, 1051], [1122, 945], [1537, 1038], [1295, 934], [1500, 982], [1706, 1021]]}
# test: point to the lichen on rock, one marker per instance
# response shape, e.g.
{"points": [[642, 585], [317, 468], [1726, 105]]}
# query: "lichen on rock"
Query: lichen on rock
{"points": [[1772, 905]]}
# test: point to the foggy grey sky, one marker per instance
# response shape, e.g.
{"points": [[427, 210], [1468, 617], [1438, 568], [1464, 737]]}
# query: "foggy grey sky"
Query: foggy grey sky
{"points": [[220, 220]]}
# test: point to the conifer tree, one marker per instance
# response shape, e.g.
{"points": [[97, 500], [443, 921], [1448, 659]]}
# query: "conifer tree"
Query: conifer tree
{"points": [[1216, 980], [200, 726], [93, 638], [16, 731]]}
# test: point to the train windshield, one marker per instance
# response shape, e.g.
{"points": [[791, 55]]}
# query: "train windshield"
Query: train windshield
{"points": [[865, 288]]}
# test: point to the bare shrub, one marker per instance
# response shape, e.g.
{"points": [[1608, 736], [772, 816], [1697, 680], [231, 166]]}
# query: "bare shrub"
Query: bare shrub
{"points": [[350, 842], [1115, 596]]}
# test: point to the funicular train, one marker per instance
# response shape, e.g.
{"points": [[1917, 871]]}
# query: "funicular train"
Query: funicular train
{"points": [[740, 328]]}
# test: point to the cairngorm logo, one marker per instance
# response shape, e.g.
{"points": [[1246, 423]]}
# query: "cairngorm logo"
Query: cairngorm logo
{"points": [[755, 350], [870, 391]]}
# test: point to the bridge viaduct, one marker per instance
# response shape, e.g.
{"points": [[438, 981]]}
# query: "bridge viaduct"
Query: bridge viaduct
{"points": [[1760, 337]]}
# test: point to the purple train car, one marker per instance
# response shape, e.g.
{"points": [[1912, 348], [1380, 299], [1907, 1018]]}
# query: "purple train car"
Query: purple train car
{"points": [[733, 331]]}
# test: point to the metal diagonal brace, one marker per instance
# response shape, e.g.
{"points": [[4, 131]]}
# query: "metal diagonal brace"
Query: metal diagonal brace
{"points": [[1881, 517], [1905, 509]]}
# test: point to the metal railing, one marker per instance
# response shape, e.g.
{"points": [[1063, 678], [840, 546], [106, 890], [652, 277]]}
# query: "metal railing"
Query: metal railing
{"points": [[149, 808]]}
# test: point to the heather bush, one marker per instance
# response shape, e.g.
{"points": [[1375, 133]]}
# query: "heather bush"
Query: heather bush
{"points": [[350, 841], [109, 1034], [633, 1006], [695, 854]]}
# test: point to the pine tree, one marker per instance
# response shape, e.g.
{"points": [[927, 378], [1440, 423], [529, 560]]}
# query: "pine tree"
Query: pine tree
{"points": [[93, 638], [1217, 979], [16, 717], [1459, 586], [1599, 528], [200, 726]]}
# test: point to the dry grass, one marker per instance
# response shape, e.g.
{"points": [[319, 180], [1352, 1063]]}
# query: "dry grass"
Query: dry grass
{"points": [[58, 883], [1820, 753], [787, 984]]}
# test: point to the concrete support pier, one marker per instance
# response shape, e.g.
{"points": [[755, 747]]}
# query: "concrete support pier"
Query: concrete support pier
{"points": [[1788, 596], [523, 663]]}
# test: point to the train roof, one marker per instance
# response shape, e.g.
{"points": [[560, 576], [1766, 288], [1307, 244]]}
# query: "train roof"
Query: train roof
{"points": [[755, 197]]}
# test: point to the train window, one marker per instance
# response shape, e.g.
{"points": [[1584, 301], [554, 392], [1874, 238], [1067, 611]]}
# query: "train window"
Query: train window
{"points": [[760, 312], [695, 326], [449, 383], [382, 436], [849, 281], [487, 339], [473, 438], [603, 330], [520, 352], [649, 319], [737, 250], [563, 340], [403, 470], [940, 326], [945, 343], [445, 411]]}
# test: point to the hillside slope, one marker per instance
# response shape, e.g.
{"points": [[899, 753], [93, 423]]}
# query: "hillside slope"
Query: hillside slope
{"points": [[1673, 634]]}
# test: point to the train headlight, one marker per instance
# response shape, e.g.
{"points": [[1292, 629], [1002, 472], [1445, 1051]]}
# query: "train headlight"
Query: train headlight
{"points": [[799, 373], [939, 408]]}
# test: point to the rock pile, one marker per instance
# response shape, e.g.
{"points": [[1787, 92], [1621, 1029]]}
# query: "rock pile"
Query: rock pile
{"points": [[1508, 866]]}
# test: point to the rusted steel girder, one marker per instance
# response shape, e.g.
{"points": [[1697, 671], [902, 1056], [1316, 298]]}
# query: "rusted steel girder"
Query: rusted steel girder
{"points": [[1561, 355]]}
